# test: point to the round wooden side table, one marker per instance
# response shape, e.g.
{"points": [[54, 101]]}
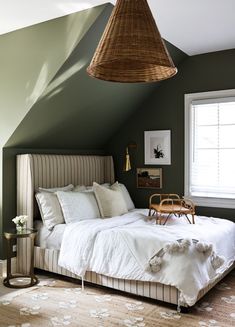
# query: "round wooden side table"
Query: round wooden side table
{"points": [[11, 235]]}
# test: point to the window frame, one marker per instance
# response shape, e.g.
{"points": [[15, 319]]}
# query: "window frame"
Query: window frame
{"points": [[188, 153]]}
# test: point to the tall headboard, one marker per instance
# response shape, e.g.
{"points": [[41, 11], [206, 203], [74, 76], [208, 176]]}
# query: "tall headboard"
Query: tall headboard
{"points": [[45, 170]]}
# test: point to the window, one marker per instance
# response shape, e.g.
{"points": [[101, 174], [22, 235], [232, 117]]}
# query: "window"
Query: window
{"points": [[210, 148]]}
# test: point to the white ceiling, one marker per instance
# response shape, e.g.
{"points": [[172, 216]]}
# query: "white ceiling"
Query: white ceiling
{"points": [[194, 26]]}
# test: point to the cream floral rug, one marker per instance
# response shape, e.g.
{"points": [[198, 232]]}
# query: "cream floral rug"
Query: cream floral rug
{"points": [[58, 302]]}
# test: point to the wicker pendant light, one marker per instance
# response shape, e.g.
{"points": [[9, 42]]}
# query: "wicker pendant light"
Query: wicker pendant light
{"points": [[131, 48]]}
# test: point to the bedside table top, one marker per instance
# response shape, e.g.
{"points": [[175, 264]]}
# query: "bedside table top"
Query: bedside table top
{"points": [[13, 233]]}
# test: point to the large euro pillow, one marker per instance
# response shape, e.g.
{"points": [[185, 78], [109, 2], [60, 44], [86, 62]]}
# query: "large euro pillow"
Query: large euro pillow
{"points": [[49, 206], [110, 200], [78, 206]]}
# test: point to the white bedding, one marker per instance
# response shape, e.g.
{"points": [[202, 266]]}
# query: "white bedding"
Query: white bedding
{"points": [[121, 247], [49, 239]]}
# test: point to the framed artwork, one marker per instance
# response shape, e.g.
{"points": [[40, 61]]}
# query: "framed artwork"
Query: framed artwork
{"points": [[157, 147], [149, 177]]}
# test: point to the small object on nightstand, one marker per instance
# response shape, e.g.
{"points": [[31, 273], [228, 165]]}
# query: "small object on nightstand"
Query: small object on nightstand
{"points": [[14, 234], [170, 204]]}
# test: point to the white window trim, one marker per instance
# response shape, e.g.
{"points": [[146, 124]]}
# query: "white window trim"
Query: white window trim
{"points": [[201, 201]]}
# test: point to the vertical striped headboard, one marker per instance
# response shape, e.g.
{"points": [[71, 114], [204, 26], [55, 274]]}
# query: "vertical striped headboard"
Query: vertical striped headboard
{"points": [[42, 170]]}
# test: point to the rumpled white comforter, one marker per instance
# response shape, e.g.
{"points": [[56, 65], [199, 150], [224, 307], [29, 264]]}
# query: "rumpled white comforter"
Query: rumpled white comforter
{"points": [[121, 246]]}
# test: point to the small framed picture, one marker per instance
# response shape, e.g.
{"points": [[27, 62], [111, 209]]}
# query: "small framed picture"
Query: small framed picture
{"points": [[149, 177], [157, 147]]}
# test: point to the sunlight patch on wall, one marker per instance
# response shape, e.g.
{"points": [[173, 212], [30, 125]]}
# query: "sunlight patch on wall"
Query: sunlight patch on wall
{"points": [[62, 78], [39, 85]]}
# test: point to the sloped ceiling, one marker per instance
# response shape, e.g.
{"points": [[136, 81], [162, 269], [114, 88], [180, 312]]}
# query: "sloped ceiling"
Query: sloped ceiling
{"points": [[193, 26], [76, 111]]}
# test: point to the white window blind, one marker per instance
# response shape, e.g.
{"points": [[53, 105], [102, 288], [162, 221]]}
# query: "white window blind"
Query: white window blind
{"points": [[212, 166]]}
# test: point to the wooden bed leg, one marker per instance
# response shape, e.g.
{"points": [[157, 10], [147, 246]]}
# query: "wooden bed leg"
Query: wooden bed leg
{"points": [[193, 219]]}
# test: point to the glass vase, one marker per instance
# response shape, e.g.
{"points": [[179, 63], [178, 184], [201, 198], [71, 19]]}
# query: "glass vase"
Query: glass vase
{"points": [[20, 228]]}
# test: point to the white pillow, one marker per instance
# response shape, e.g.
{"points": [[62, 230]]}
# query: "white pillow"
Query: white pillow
{"points": [[49, 206], [78, 206], [111, 202], [129, 203], [55, 189]]}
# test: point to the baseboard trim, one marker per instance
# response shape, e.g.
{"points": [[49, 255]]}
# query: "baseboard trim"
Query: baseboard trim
{"points": [[3, 267]]}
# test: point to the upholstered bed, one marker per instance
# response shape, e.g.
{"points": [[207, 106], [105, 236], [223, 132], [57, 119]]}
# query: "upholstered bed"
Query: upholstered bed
{"points": [[47, 171]]}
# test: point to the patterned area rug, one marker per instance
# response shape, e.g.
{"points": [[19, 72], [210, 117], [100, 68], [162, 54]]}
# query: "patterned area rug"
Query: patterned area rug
{"points": [[58, 302]]}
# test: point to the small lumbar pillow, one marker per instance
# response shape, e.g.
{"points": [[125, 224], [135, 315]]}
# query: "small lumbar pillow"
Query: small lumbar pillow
{"points": [[129, 203], [49, 206], [111, 202], [78, 206]]}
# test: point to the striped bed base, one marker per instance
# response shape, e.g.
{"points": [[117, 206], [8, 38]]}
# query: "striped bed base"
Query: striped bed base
{"points": [[47, 259]]}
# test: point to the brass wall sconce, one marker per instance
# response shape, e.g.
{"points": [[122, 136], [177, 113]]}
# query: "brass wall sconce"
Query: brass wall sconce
{"points": [[127, 163]]}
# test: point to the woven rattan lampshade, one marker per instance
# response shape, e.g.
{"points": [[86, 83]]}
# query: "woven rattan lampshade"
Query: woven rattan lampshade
{"points": [[131, 48]]}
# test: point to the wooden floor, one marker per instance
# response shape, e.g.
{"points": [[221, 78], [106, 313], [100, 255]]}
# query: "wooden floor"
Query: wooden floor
{"points": [[59, 301]]}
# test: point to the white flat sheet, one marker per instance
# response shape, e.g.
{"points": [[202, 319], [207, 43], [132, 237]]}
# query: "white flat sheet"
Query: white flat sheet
{"points": [[49, 239], [120, 246]]}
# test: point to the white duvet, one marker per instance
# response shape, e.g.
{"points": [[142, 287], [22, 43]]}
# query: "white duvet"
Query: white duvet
{"points": [[121, 247]]}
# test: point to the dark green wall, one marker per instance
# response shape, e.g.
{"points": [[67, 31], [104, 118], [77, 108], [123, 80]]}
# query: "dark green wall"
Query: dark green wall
{"points": [[164, 109]]}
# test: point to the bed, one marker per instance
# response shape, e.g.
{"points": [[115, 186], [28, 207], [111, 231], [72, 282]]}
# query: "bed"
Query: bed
{"points": [[34, 170]]}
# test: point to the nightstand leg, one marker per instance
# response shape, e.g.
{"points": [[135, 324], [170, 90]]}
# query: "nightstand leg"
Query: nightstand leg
{"points": [[8, 259], [6, 281], [32, 276]]}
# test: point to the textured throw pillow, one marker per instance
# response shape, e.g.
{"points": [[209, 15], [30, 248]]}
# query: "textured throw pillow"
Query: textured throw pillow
{"points": [[129, 203], [78, 206], [111, 202], [49, 206]]}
